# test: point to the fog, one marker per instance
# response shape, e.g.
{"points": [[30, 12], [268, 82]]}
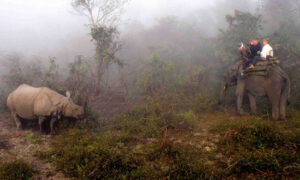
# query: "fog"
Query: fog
{"points": [[37, 26], [52, 28]]}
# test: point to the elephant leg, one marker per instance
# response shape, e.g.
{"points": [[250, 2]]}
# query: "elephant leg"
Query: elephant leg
{"points": [[17, 120], [252, 103], [239, 95], [52, 122], [41, 122], [275, 107], [239, 103], [282, 106]]}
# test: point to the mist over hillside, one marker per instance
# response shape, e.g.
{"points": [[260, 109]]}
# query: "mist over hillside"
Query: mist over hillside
{"points": [[38, 28], [140, 89]]}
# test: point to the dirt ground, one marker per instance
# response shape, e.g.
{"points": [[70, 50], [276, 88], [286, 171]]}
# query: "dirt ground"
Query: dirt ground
{"points": [[23, 145]]}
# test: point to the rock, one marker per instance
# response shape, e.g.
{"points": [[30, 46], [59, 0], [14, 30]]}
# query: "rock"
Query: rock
{"points": [[58, 176], [178, 141], [197, 134], [208, 149]]}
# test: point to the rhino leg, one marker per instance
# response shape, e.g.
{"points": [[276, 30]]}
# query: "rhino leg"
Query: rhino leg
{"points": [[17, 120], [52, 122], [41, 121]]}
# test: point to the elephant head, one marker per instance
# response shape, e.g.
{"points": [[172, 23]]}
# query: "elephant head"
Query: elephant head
{"points": [[229, 79]]}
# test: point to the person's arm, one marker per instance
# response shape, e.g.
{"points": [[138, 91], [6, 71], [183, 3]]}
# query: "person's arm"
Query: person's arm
{"points": [[244, 55], [271, 52], [263, 53]]}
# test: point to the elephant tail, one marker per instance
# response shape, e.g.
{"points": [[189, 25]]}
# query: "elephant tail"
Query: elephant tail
{"points": [[288, 86]]}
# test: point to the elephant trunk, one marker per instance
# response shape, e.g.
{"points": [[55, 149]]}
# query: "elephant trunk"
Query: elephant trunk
{"points": [[222, 94]]}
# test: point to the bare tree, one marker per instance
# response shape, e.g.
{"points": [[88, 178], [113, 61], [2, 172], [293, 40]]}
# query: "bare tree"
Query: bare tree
{"points": [[100, 12], [103, 16]]}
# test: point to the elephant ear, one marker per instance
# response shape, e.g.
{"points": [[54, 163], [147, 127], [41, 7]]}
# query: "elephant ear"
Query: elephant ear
{"points": [[68, 94]]}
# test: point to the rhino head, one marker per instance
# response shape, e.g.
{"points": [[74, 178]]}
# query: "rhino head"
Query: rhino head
{"points": [[71, 109]]}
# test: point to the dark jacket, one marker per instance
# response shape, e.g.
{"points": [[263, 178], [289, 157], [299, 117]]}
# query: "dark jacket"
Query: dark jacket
{"points": [[254, 49]]}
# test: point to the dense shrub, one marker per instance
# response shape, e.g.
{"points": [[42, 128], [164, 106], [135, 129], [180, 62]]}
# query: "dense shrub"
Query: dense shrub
{"points": [[182, 162], [259, 147], [18, 170], [88, 157], [152, 120]]}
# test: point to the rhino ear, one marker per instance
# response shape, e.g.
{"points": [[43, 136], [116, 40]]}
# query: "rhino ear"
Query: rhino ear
{"points": [[68, 94]]}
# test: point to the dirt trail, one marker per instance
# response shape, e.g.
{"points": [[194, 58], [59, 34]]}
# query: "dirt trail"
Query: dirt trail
{"points": [[23, 145]]}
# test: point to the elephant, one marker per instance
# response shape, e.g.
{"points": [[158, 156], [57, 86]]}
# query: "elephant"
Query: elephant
{"points": [[275, 85]]}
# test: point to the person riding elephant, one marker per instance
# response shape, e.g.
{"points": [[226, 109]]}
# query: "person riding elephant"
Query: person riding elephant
{"points": [[275, 85], [255, 48], [265, 54], [244, 55]]}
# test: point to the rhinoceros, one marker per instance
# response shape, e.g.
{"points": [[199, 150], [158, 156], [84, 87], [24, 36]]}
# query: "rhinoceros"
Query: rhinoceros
{"points": [[32, 103]]}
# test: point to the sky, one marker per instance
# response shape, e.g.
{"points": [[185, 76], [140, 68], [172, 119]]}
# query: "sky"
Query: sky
{"points": [[30, 26], [34, 25], [147, 11]]}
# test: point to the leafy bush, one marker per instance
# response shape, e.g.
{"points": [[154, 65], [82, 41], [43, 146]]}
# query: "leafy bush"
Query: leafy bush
{"points": [[34, 138], [18, 170], [204, 102], [88, 157], [259, 147], [182, 162], [188, 120], [152, 120]]}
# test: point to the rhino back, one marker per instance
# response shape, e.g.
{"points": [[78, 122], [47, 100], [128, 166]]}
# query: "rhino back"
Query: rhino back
{"points": [[48, 102], [22, 100]]}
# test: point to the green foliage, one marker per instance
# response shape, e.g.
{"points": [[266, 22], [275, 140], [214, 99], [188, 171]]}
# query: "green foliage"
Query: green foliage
{"points": [[34, 138], [139, 120], [3, 97], [258, 147], [51, 75], [188, 120], [79, 73], [91, 114], [152, 120], [107, 46], [285, 41], [80, 81], [14, 75], [184, 162], [249, 147], [243, 27], [87, 157], [205, 102], [16, 72], [158, 77], [18, 170], [33, 72]]}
